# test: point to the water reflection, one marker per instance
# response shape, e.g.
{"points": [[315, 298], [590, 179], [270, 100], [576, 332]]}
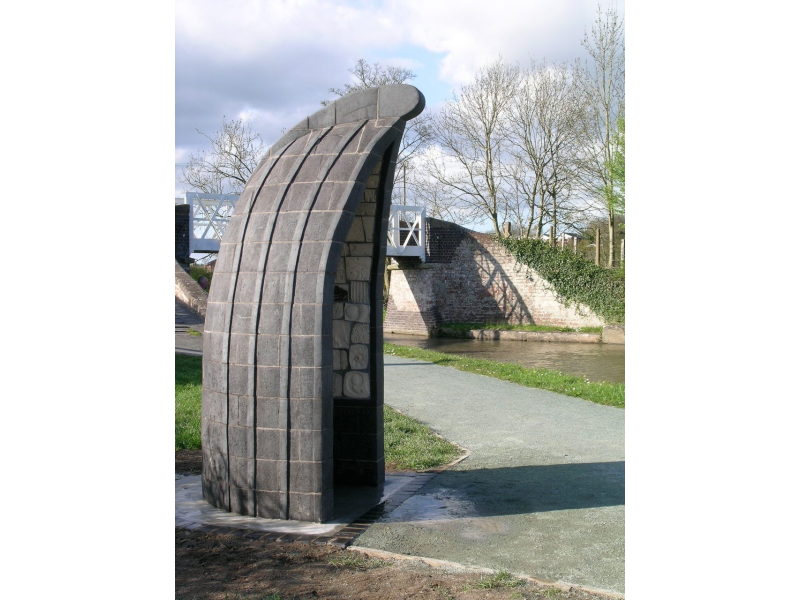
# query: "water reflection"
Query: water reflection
{"points": [[598, 362]]}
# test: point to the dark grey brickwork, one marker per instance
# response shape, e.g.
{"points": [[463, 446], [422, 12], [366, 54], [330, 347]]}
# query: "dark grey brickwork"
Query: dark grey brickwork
{"points": [[312, 217], [182, 234]]}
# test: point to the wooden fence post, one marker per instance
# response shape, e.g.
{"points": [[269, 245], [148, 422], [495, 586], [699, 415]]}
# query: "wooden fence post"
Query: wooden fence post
{"points": [[597, 248]]}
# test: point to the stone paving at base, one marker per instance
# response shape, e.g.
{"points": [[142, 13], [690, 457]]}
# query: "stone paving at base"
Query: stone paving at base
{"points": [[355, 509]]}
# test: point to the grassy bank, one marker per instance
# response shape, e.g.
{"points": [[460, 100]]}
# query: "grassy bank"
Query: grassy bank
{"points": [[408, 444], [464, 327], [610, 394]]}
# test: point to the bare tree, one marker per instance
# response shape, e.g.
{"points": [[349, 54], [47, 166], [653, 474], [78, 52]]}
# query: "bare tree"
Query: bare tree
{"points": [[603, 86], [235, 153], [417, 132], [543, 132], [374, 75], [468, 133]]}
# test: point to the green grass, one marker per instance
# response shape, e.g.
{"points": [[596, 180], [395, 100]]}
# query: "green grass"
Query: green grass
{"points": [[500, 579], [610, 394], [193, 332], [188, 397], [463, 327], [408, 444], [411, 446]]}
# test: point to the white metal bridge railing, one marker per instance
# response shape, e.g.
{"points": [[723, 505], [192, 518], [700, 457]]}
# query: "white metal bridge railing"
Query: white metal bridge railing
{"points": [[208, 217], [406, 231]]}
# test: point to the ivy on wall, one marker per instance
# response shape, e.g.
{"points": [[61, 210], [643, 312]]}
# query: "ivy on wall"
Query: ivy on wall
{"points": [[573, 278]]}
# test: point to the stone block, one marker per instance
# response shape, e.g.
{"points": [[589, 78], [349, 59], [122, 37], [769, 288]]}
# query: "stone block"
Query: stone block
{"points": [[357, 106], [286, 226], [214, 406], [271, 444], [338, 310], [271, 505], [241, 411], [215, 493], [271, 382], [356, 233], [345, 167], [359, 356], [325, 117], [215, 374], [356, 385], [399, 101], [243, 501], [313, 256], [358, 249], [242, 349], [271, 475], [337, 385], [311, 445], [242, 472], [369, 228], [360, 334], [241, 441], [313, 169], [254, 255], [273, 289], [341, 273], [309, 288], [359, 293], [306, 413], [243, 319], [358, 268], [270, 319], [241, 380], [271, 413], [215, 345], [341, 334], [269, 350], [215, 466], [356, 312], [218, 318]]}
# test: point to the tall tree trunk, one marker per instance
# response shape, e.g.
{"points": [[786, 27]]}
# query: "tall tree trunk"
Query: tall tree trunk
{"points": [[610, 239], [555, 221]]}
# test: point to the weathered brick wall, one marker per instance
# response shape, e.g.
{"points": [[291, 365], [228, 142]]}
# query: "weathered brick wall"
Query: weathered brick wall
{"points": [[471, 278], [413, 304], [182, 233]]}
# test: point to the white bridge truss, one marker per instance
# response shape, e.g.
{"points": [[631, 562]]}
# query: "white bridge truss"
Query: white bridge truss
{"points": [[208, 217], [210, 213], [406, 232]]}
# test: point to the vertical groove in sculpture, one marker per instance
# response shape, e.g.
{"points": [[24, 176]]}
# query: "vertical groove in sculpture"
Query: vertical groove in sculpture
{"points": [[292, 381]]}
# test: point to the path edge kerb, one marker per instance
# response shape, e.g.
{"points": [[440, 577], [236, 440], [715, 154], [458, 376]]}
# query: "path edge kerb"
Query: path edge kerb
{"points": [[447, 564]]}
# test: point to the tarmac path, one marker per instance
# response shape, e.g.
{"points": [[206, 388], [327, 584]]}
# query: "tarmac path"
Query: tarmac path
{"points": [[542, 492]]}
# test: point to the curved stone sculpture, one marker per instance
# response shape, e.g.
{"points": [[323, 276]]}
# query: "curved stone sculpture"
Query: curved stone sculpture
{"points": [[290, 406]]}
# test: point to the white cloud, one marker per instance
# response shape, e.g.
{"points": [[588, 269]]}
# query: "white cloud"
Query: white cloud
{"points": [[273, 61]]}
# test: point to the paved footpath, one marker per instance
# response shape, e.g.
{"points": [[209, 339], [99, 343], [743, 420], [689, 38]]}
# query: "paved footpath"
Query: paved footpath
{"points": [[186, 319], [542, 492]]}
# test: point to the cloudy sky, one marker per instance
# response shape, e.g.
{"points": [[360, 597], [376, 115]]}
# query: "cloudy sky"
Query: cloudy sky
{"points": [[272, 61]]}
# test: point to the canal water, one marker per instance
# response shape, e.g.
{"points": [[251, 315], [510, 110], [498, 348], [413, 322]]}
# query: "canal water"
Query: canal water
{"points": [[597, 362]]}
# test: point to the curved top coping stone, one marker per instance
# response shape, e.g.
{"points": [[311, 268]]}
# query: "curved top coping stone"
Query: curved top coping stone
{"points": [[385, 102]]}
